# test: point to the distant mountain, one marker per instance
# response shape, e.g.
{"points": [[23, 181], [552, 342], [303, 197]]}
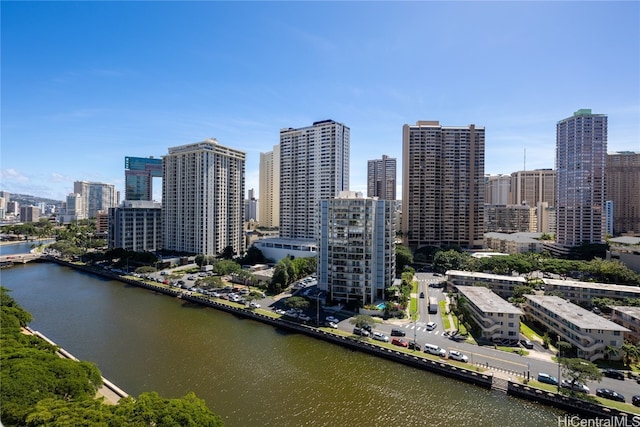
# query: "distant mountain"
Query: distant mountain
{"points": [[27, 200]]}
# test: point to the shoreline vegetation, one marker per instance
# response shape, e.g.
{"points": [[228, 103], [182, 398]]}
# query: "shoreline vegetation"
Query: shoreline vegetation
{"points": [[40, 388]]}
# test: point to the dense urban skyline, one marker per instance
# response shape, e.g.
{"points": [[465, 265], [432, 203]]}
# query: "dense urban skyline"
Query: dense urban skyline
{"points": [[85, 84]]}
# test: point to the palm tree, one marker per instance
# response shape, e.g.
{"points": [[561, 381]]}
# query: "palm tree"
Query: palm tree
{"points": [[610, 351], [631, 353]]}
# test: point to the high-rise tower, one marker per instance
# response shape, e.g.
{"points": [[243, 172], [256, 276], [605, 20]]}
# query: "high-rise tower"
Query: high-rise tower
{"points": [[269, 190], [623, 189], [381, 178], [203, 198], [138, 177], [581, 153], [442, 185], [314, 166]]}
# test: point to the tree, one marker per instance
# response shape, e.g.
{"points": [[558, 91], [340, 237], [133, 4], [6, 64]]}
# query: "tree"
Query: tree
{"points": [[297, 302], [519, 291], [576, 370], [227, 253], [362, 321], [403, 258], [609, 351], [450, 260], [225, 267], [630, 353]]}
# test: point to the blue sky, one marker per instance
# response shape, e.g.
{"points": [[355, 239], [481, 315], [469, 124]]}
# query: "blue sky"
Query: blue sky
{"points": [[85, 84]]}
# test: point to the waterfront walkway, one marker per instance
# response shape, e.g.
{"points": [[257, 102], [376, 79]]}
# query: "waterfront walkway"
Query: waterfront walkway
{"points": [[109, 391]]}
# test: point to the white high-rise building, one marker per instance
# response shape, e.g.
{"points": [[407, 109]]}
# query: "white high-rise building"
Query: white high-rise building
{"points": [[314, 166], [381, 178], [96, 196], [269, 190], [497, 188], [581, 158], [356, 247], [203, 198]]}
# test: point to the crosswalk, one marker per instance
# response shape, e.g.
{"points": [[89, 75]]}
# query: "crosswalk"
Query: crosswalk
{"points": [[419, 328]]}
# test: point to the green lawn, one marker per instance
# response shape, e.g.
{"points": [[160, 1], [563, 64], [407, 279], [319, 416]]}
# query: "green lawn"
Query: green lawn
{"points": [[529, 333]]}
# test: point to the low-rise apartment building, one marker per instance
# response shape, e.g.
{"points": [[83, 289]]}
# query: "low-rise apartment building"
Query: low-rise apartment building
{"points": [[583, 292], [513, 243], [501, 285], [587, 332], [496, 318], [629, 317]]}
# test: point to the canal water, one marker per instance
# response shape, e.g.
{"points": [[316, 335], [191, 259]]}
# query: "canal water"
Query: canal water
{"points": [[249, 373]]}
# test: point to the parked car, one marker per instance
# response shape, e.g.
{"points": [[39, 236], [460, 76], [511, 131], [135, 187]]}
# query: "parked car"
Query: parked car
{"points": [[254, 305], [609, 394], [333, 325], [526, 344], [431, 326], [360, 331], [332, 319], [547, 379], [380, 337], [399, 342], [635, 400], [576, 386], [613, 373], [414, 345], [304, 317], [397, 333], [434, 349], [456, 355]]}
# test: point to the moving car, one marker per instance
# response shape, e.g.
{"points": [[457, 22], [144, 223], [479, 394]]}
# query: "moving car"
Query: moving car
{"points": [[399, 342], [635, 400], [397, 333], [421, 294], [456, 355], [547, 379], [613, 373], [609, 394], [431, 326], [380, 337], [576, 386]]}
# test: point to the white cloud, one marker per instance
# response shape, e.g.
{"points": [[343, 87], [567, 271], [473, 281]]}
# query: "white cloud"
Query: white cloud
{"points": [[12, 176]]}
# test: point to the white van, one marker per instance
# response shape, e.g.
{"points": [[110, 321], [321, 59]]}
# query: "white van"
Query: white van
{"points": [[434, 349]]}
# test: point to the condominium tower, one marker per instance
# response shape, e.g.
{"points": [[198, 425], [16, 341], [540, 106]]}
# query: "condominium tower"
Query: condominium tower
{"points": [[95, 196], [356, 247], [533, 186], [623, 189], [314, 166], [381, 178], [203, 198], [581, 152], [138, 177], [269, 189], [442, 185]]}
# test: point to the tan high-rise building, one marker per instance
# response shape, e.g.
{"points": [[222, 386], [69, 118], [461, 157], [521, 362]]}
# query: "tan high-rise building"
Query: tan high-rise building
{"points": [[269, 190], [203, 198], [443, 185], [533, 186], [623, 189], [496, 189], [381, 178], [314, 166]]}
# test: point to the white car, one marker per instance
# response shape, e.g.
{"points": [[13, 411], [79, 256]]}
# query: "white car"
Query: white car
{"points": [[456, 355], [380, 337], [254, 305], [333, 325], [332, 319], [431, 326]]}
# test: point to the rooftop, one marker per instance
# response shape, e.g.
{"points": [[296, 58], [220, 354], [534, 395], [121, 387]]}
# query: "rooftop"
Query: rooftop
{"points": [[487, 301], [480, 275], [591, 285], [633, 312], [574, 314]]}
